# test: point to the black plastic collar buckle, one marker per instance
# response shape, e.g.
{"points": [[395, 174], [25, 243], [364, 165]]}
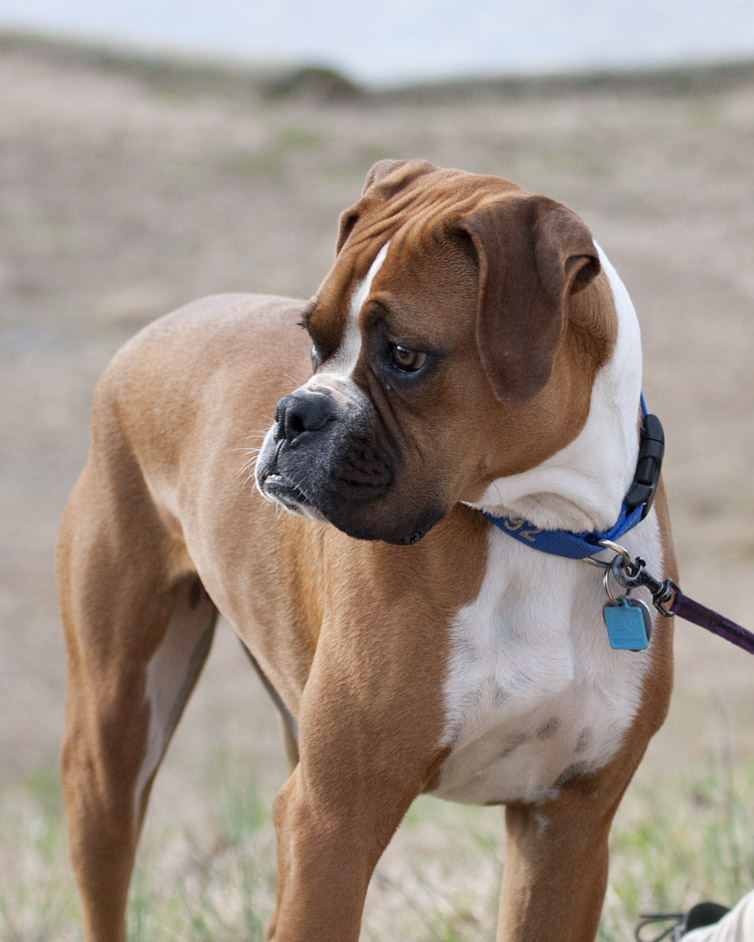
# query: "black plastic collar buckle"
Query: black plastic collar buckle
{"points": [[649, 465]]}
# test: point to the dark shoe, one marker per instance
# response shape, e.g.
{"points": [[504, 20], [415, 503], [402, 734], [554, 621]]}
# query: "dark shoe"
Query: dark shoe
{"points": [[699, 916], [704, 914]]}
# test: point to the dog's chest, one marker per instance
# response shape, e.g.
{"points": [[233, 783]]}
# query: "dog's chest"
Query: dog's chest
{"points": [[534, 694]]}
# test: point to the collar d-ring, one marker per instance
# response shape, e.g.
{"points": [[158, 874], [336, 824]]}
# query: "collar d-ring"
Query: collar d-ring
{"points": [[606, 585]]}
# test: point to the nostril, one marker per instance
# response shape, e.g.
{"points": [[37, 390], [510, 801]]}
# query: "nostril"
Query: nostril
{"points": [[294, 425]]}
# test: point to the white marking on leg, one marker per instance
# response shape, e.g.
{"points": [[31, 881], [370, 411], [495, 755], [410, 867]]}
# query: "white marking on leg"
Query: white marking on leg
{"points": [[171, 674]]}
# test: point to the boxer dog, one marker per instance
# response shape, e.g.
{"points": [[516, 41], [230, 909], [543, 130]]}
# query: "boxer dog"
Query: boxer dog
{"points": [[471, 350]]}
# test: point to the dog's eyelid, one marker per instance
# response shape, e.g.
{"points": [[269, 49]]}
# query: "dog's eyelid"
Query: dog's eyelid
{"points": [[380, 318], [308, 313]]}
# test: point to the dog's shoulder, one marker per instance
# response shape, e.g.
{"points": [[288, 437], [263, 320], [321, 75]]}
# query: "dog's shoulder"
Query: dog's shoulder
{"points": [[205, 365], [220, 324], [207, 337]]}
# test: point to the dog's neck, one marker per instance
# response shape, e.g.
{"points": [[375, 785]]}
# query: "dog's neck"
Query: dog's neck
{"points": [[582, 487]]}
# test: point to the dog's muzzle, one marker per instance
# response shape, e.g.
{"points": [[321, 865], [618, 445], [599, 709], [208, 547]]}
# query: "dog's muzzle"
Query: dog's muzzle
{"points": [[319, 457], [325, 459], [300, 418]]}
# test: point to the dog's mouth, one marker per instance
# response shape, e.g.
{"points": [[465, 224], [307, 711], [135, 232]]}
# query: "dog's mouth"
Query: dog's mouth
{"points": [[281, 490]]}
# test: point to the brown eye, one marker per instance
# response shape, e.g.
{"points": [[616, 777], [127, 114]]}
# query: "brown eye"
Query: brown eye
{"points": [[407, 361]]}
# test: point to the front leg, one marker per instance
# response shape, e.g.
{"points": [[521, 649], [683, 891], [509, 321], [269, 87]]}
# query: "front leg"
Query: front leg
{"points": [[326, 856], [556, 858], [368, 748], [554, 879]]}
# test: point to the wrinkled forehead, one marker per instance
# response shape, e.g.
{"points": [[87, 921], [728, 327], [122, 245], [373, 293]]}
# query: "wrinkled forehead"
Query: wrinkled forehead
{"points": [[414, 223], [388, 258]]}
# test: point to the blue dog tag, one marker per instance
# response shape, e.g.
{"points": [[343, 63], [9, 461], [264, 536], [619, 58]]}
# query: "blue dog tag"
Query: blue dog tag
{"points": [[628, 623]]}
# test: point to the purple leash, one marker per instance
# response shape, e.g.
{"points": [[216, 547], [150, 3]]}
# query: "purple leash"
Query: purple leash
{"points": [[692, 611]]}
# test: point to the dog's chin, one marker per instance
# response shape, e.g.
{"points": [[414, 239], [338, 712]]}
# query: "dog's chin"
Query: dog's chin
{"points": [[396, 537], [394, 530], [281, 491]]}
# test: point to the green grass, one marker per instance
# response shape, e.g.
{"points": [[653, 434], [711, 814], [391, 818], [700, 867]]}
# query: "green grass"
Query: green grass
{"points": [[678, 842], [675, 842], [37, 902], [210, 887]]}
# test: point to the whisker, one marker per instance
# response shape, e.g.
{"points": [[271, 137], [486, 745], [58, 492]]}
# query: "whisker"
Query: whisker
{"points": [[249, 467], [246, 448]]}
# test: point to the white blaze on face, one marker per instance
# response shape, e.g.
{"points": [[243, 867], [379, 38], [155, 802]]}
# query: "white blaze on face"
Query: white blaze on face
{"points": [[343, 363]]}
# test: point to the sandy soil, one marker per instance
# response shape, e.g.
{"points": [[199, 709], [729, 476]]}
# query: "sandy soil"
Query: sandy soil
{"points": [[129, 188]]}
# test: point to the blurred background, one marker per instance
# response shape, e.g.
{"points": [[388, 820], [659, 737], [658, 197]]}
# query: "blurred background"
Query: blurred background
{"points": [[154, 152], [410, 40]]}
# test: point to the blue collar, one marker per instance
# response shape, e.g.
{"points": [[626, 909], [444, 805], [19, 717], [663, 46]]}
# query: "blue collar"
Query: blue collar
{"points": [[635, 505]]}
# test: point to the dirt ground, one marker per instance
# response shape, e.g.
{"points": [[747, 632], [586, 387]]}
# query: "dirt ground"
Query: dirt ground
{"points": [[129, 187]]}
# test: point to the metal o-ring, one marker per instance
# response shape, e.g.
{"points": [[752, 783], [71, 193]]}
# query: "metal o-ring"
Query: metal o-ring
{"points": [[605, 583]]}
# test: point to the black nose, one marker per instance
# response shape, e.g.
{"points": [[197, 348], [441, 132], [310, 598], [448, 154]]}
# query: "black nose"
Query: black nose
{"points": [[303, 412]]}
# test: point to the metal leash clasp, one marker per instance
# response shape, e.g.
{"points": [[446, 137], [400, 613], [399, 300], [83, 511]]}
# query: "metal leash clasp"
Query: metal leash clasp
{"points": [[632, 573]]}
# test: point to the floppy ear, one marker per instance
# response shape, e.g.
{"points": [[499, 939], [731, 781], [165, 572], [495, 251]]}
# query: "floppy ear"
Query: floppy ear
{"points": [[385, 179], [533, 254]]}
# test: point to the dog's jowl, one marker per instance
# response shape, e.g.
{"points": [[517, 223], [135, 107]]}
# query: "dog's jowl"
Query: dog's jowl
{"points": [[471, 354]]}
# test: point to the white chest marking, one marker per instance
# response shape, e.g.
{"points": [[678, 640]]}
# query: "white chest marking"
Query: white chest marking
{"points": [[534, 692]]}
